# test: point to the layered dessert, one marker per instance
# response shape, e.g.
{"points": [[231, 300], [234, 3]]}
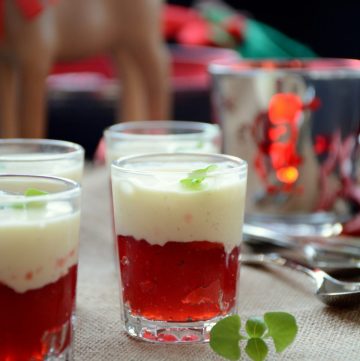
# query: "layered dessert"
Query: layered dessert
{"points": [[178, 247], [38, 264]]}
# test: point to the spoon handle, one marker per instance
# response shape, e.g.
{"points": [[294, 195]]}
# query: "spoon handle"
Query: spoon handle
{"points": [[277, 260], [345, 245]]}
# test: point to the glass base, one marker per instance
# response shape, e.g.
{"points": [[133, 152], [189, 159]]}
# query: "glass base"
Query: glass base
{"points": [[168, 332], [66, 355], [55, 340]]}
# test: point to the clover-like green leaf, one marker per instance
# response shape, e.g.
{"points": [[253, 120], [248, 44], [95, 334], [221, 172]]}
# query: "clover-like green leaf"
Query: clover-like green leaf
{"points": [[225, 337], [255, 327], [256, 349], [282, 328]]}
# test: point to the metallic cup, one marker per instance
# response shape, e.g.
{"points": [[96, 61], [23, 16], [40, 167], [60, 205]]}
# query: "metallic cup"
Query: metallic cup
{"points": [[297, 125]]}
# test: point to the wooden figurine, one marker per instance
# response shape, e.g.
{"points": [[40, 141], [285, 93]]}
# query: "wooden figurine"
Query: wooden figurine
{"points": [[36, 33]]}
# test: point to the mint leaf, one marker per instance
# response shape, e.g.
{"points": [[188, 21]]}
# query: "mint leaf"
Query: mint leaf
{"points": [[225, 337], [203, 172], [194, 179], [255, 327], [256, 349], [31, 192], [282, 328], [193, 184]]}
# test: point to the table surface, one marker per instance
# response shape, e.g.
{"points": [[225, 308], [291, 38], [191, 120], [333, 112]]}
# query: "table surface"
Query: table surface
{"points": [[324, 333]]}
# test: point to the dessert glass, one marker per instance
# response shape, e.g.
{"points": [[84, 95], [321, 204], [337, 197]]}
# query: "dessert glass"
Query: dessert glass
{"points": [[42, 157], [153, 136], [39, 236], [178, 242]]}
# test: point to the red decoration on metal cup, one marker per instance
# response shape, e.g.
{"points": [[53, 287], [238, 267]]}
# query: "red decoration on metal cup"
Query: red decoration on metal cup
{"points": [[276, 133]]}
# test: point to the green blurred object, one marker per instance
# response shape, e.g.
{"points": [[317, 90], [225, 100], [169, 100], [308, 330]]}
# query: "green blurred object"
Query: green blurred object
{"points": [[263, 41], [258, 41]]}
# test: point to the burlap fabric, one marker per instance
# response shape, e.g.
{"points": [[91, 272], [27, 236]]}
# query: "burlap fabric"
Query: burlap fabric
{"points": [[324, 334]]}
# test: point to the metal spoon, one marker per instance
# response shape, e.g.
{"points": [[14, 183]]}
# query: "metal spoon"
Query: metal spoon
{"points": [[325, 253], [261, 234], [328, 290]]}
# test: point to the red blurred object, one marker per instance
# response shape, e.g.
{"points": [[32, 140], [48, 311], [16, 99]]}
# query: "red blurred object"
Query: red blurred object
{"points": [[100, 64], [321, 144], [30, 8], [174, 18], [235, 26], [285, 107], [352, 227], [190, 27], [195, 32]]}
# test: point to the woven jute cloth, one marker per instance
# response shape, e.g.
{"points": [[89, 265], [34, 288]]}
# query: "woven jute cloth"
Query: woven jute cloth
{"points": [[324, 333]]}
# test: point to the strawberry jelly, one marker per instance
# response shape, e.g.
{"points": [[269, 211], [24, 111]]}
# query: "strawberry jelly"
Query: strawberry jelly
{"points": [[179, 281], [34, 320]]}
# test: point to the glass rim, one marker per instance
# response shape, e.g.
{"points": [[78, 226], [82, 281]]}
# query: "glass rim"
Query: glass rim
{"points": [[73, 191], [115, 131], [240, 168], [292, 65], [77, 149]]}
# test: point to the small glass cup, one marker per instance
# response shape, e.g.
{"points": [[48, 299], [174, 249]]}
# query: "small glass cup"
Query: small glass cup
{"points": [[39, 236], [42, 157], [154, 136], [178, 242]]}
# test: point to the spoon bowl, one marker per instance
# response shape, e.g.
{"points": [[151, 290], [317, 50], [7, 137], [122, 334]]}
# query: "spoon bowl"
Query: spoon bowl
{"points": [[334, 292]]}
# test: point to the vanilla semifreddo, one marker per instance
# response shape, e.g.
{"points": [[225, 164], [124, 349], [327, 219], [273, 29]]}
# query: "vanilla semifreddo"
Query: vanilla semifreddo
{"points": [[37, 244], [160, 209]]}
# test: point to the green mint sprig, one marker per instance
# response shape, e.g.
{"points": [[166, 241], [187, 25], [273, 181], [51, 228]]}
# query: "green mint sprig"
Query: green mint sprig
{"points": [[31, 192], [194, 180], [225, 336]]}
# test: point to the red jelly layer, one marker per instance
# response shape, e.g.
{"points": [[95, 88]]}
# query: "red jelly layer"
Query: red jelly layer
{"points": [[180, 281], [31, 321]]}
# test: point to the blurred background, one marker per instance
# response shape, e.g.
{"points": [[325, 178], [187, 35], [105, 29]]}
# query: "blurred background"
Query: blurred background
{"points": [[82, 96], [331, 29]]}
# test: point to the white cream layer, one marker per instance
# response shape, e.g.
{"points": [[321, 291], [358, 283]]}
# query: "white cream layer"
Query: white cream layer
{"points": [[37, 245], [125, 148], [160, 211], [38, 164]]}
